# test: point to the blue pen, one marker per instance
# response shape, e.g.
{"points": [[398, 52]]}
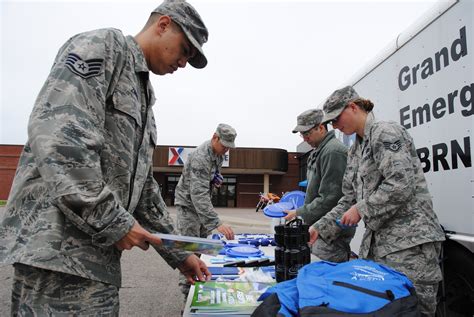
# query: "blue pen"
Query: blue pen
{"points": [[343, 226]]}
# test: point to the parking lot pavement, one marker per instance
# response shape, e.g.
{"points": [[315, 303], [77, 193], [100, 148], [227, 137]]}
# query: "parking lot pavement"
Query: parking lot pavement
{"points": [[149, 284], [242, 220]]}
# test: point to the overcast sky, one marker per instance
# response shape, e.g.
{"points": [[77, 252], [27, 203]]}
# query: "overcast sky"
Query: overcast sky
{"points": [[268, 60]]}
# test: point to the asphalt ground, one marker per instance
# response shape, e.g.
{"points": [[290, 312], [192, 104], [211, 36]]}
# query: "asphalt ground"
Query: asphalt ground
{"points": [[150, 286]]}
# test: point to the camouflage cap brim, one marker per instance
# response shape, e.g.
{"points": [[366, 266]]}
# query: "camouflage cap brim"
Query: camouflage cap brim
{"points": [[302, 128], [332, 115], [227, 144], [199, 60]]}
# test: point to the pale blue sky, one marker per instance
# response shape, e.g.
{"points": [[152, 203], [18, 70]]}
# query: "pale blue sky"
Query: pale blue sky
{"points": [[268, 60]]}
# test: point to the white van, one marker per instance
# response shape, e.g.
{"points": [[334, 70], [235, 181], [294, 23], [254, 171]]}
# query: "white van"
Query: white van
{"points": [[425, 81]]}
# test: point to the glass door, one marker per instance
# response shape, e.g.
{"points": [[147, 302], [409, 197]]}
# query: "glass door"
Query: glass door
{"points": [[224, 196]]}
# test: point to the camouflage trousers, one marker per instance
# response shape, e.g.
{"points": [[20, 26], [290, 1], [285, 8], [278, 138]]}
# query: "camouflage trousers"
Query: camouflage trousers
{"points": [[188, 225], [338, 251], [421, 264], [39, 292]]}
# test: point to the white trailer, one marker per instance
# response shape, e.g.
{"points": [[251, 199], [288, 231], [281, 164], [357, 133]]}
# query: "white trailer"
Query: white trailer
{"points": [[425, 82]]}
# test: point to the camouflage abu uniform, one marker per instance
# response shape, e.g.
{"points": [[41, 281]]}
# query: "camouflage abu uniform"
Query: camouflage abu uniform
{"points": [[385, 182], [85, 174], [325, 168], [195, 213]]}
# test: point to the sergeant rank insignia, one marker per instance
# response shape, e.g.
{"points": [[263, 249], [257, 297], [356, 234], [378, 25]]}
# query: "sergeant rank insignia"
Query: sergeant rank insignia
{"points": [[394, 147], [84, 68]]}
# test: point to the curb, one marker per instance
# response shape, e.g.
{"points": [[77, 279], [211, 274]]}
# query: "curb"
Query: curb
{"points": [[246, 224]]}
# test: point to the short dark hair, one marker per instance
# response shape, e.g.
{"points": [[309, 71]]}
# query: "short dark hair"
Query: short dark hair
{"points": [[154, 16]]}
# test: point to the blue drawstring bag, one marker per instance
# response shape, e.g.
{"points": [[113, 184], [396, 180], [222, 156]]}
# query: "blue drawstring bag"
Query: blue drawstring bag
{"points": [[358, 287]]}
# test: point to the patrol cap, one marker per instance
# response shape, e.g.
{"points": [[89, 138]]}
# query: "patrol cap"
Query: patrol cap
{"points": [[308, 119], [338, 101], [226, 135], [182, 13]]}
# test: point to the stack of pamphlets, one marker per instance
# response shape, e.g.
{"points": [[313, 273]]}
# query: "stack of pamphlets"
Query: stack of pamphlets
{"points": [[226, 298], [192, 244]]}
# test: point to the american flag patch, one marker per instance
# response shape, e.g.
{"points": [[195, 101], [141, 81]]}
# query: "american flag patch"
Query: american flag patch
{"points": [[84, 68]]}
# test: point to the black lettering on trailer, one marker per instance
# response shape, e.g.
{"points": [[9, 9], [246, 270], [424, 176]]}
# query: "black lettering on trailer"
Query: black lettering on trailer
{"points": [[439, 159], [440, 151], [461, 100], [408, 76]]}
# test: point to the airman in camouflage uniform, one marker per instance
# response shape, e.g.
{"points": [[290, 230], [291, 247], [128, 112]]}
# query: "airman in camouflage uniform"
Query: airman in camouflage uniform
{"points": [[384, 186], [201, 172], [84, 187], [325, 168]]}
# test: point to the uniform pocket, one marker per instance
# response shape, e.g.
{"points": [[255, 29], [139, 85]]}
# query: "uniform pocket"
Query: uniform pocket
{"points": [[122, 125], [128, 104]]}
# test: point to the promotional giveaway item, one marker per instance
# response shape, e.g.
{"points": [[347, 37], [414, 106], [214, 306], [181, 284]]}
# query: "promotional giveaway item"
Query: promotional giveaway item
{"points": [[343, 226], [249, 274], [354, 288], [226, 298], [276, 210], [255, 239], [246, 251], [290, 201], [192, 244]]}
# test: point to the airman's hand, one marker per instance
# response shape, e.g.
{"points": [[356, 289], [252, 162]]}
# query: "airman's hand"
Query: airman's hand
{"points": [[226, 231], [313, 235], [351, 217], [193, 268], [291, 214], [137, 237]]}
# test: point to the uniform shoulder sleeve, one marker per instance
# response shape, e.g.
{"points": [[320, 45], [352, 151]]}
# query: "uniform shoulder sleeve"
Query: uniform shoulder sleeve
{"points": [[388, 137], [92, 61], [66, 133], [200, 164], [394, 183]]}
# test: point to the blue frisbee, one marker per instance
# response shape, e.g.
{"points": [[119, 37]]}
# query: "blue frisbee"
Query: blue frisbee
{"points": [[244, 252], [276, 210], [295, 197]]}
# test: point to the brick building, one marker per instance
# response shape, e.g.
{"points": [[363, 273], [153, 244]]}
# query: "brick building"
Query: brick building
{"points": [[247, 172]]}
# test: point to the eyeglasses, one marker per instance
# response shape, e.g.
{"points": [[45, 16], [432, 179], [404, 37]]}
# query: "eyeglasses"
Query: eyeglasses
{"points": [[220, 142], [334, 120], [306, 133], [337, 118]]}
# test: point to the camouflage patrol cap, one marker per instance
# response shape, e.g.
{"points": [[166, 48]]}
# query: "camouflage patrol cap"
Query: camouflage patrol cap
{"points": [[226, 135], [182, 13], [337, 102], [308, 120]]}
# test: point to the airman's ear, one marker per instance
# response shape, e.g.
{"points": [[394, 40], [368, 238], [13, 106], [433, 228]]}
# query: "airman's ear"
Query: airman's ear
{"points": [[163, 23], [352, 105]]}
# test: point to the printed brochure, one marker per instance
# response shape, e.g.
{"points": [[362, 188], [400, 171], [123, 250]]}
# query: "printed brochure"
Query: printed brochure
{"points": [[226, 297], [192, 244]]}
